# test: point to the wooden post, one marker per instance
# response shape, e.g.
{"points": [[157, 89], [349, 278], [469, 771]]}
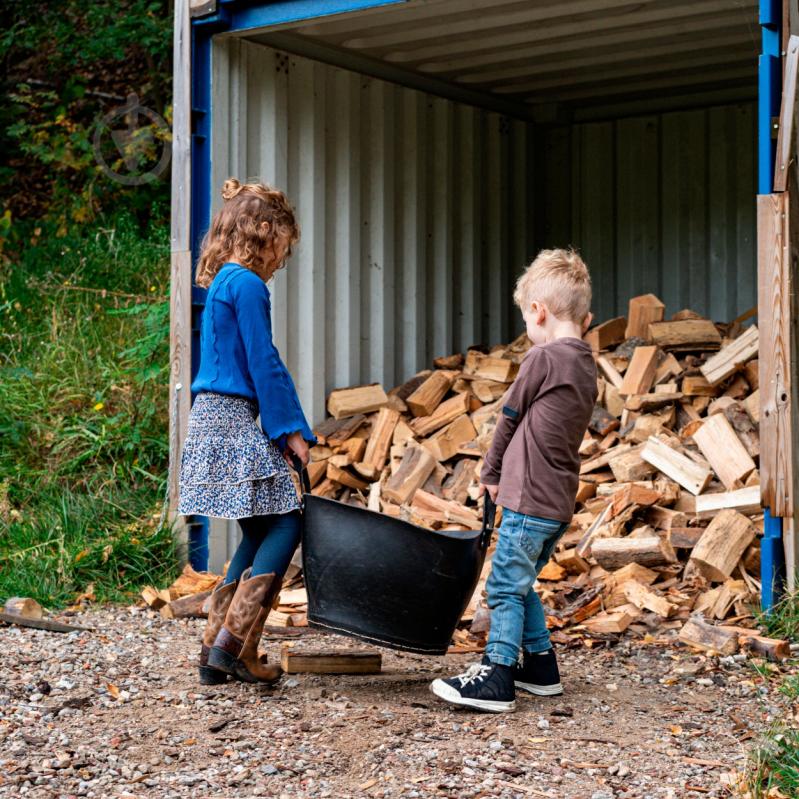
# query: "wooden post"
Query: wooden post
{"points": [[181, 260]]}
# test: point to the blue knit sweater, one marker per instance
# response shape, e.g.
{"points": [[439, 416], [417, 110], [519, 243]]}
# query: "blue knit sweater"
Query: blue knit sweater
{"points": [[238, 356]]}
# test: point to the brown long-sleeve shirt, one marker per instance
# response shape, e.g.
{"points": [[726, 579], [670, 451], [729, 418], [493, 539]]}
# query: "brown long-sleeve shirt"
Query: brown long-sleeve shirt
{"points": [[534, 456]]}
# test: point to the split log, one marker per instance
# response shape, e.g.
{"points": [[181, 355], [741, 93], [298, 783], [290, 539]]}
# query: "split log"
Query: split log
{"points": [[500, 370], [724, 451], [602, 422], [645, 403], [427, 397], [342, 661], [641, 371], [616, 621], [189, 607], [361, 399], [721, 546], [607, 334], [646, 599], [446, 412], [628, 465], [456, 486], [752, 405], [610, 371], [345, 478], [744, 500], [642, 311], [416, 466], [25, 607], [445, 444], [685, 334], [732, 357], [689, 474], [380, 438], [613, 553], [697, 386], [697, 633]]}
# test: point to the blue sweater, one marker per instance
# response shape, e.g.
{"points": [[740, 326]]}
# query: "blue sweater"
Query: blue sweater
{"points": [[238, 357]]}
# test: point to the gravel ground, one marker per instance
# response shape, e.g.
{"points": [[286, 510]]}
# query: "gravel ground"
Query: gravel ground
{"points": [[117, 712]]}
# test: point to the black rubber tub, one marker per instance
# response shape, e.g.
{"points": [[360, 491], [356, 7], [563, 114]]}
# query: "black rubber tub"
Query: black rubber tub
{"points": [[388, 581]]}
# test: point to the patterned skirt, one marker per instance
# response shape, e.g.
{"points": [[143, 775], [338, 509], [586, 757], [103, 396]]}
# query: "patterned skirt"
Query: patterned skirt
{"points": [[229, 468]]}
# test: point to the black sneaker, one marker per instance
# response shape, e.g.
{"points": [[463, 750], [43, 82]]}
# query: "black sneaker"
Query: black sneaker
{"points": [[538, 674], [483, 686]]}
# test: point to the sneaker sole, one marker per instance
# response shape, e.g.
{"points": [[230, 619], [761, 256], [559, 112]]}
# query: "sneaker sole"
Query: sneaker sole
{"points": [[449, 694], [540, 690]]}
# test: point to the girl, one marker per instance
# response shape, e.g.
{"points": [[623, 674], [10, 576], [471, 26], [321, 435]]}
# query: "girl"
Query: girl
{"points": [[231, 468]]}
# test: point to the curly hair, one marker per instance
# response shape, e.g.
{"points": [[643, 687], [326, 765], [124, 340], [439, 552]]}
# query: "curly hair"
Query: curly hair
{"points": [[237, 230]]}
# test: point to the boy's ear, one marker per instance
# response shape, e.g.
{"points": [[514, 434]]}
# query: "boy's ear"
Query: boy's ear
{"points": [[587, 322]]}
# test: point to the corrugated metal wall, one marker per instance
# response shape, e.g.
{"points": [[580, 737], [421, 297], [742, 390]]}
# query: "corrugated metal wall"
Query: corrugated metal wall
{"points": [[661, 203], [415, 211]]}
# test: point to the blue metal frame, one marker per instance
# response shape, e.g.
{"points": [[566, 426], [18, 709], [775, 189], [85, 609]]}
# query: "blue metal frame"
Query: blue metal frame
{"points": [[231, 15], [772, 552]]}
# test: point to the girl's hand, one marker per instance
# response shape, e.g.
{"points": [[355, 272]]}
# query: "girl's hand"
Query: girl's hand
{"points": [[299, 446], [493, 491]]}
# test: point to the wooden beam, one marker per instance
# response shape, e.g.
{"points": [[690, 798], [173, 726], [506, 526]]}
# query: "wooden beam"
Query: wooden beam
{"points": [[181, 257], [775, 285], [787, 109]]}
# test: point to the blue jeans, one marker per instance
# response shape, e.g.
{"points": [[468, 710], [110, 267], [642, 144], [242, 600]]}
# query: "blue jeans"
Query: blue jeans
{"points": [[267, 544], [517, 617]]}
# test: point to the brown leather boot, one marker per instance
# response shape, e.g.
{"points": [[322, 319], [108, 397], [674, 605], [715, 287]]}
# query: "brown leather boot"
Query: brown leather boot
{"points": [[218, 604], [235, 650]]}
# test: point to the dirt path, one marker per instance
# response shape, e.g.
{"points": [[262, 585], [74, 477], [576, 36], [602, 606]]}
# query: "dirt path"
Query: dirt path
{"points": [[118, 713]]}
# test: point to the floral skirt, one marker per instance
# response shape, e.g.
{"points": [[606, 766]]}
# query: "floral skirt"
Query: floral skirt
{"points": [[229, 469]]}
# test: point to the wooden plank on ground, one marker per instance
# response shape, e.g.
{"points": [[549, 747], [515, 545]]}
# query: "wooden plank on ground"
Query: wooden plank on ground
{"points": [[331, 661]]}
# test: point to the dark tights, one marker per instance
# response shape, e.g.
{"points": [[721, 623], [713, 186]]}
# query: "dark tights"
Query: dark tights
{"points": [[267, 544]]}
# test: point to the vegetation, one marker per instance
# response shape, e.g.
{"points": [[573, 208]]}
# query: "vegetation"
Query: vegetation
{"points": [[773, 771], [84, 268]]}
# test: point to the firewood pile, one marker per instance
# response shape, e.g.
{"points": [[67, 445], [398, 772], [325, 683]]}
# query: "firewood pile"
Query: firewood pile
{"points": [[668, 512]]}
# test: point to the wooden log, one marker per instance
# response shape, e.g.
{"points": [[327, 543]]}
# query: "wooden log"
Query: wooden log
{"points": [[697, 633], [646, 599], [690, 475], [316, 472], [427, 397], [610, 371], [25, 607], [614, 402], [331, 661], [416, 466], [772, 648], [445, 444], [602, 422], [751, 372], [697, 386], [668, 369], [572, 562], [646, 403], [189, 607], [454, 361], [40, 624], [616, 621], [343, 429], [345, 478], [613, 553], [744, 500], [721, 546], [380, 438], [686, 334], [641, 371], [685, 537], [327, 488], [607, 334], [446, 412], [456, 486], [642, 311], [154, 598], [651, 424], [632, 494], [728, 457], [732, 357], [501, 370], [752, 405], [628, 465], [488, 390], [360, 399]]}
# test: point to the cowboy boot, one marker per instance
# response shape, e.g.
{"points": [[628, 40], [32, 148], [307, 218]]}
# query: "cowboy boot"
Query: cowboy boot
{"points": [[235, 649], [218, 604]]}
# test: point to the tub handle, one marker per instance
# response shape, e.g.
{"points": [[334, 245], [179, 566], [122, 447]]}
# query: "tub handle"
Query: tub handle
{"points": [[489, 517]]}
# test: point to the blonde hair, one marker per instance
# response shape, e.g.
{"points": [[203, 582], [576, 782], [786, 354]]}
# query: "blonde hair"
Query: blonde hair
{"points": [[559, 279], [237, 229]]}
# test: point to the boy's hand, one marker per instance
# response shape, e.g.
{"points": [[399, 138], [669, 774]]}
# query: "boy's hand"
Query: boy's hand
{"points": [[493, 491]]}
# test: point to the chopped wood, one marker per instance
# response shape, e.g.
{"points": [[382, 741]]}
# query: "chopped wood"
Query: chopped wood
{"points": [[607, 334], [724, 451], [417, 465], [488, 390], [445, 444], [347, 427], [456, 486], [454, 361], [641, 371], [744, 500], [686, 334], [316, 472], [23, 606], [697, 633], [571, 561], [446, 412], [330, 661], [720, 548], [613, 553], [602, 422], [646, 403], [154, 598], [732, 357], [380, 438], [361, 399], [689, 474], [646, 599], [616, 621], [189, 607], [501, 370], [668, 369], [427, 397], [772, 648], [343, 477], [642, 311], [610, 371], [39, 624], [628, 465]]}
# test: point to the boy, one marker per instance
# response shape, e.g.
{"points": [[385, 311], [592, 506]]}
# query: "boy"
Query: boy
{"points": [[532, 470]]}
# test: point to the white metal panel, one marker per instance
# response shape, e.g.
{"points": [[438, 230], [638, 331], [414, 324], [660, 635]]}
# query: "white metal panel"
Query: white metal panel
{"points": [[412, 209]]}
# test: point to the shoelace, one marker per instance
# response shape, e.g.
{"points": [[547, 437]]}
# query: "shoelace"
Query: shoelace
{"points": [[477, 671]]}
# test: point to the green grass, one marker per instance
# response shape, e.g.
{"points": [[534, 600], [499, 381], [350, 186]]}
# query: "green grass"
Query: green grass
{"points": [[773, 770], [83, 411]]}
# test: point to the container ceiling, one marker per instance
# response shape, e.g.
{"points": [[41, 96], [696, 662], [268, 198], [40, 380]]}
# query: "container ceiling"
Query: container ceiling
{"points": [[556, 57]]}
